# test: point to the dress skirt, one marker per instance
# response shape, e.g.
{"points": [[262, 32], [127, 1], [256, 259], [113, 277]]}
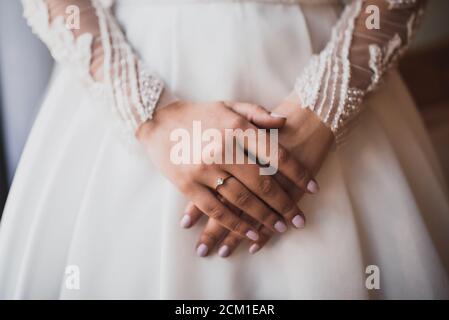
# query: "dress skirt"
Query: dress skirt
{"points": [[87, 202]]}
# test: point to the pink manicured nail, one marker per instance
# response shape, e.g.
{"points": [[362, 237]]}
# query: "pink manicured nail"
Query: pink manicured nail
{"points": [[252, 235], [223, 251], [276, 115], [186, 221], [298, 221], [202, 250], [313, 187], [280, 226], [254, 248]]}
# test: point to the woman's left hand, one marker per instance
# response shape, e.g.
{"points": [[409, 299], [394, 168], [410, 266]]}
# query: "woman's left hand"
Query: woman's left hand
{"points": [[308, 139]]}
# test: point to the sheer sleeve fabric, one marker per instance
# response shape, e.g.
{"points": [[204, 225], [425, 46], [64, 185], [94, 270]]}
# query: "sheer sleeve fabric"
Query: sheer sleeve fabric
{"points": [[360, 51], [96, 47]]}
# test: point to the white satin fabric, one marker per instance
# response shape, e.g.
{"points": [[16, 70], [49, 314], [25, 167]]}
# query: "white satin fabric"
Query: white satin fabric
{"points": [[82, 198]]}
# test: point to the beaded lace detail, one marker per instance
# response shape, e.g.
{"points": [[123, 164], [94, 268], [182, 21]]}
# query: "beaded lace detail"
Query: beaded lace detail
{"points": [[335, 82], [99, 52], [401, 3]]}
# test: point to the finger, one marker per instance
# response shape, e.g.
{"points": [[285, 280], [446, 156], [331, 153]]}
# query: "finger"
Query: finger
{"points": [[269, 191], [257, 115], [290, 167], [191, 216], [228, 245], [295, 194], [292, 190], [264, 236], [242, 198], [212, 233], [230, 241], [276, 156], [208, 203]]}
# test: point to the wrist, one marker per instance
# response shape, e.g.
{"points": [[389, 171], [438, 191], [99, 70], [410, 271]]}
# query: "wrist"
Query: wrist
{"points": [[303, 125], [310, 128], [147, 130], [305, 134]]}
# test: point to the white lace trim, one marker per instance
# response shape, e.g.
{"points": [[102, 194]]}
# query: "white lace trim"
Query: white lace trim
{"points": [[401, 4], [324, 85], [61, 42], [128, 86]]}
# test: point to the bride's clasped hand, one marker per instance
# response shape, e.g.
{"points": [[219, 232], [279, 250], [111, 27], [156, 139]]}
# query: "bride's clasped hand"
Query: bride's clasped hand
{"points": [[308, 140], [239, 201]]}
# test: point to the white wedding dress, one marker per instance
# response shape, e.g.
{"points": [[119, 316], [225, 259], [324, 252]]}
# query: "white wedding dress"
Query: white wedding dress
{"points": [[86, 196]]}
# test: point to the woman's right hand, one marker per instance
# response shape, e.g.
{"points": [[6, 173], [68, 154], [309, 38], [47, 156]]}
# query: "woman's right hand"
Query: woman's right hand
{"points": [[258, 195]]}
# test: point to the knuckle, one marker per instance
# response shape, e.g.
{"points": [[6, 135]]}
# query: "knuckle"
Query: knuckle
{"points": [[258, 108], [202, 167], [210, 237], [266, 185], [185, 186], [302, 177], [214, 211], [236, 225], [287, 207], [265, 235], [264, 216], [243, 198], [283, 155], [237, 123], [232, 241], [220, 147]]}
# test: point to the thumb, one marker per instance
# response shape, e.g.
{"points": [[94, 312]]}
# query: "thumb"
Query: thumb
{"points": [[258, 115]]}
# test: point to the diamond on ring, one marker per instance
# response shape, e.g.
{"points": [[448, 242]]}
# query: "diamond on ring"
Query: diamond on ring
{"points": [[220, 181]]}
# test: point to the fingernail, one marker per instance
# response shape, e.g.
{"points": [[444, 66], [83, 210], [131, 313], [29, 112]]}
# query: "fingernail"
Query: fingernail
{"points": [[186, 221], [298, 221], [280, 226], [202, 250], [223, 251], [276, 115], [254, 248], [252, 235], [313, 187]]}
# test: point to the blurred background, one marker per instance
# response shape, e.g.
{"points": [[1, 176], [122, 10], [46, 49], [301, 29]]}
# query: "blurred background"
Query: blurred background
{"points": [[26, 66], [25, 69]]}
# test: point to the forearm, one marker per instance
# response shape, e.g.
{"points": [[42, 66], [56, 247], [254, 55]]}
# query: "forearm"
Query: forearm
{"points": [[335, 82], [97, 48]]}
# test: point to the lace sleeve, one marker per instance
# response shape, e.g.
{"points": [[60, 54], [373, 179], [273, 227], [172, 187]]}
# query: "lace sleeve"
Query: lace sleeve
{"points": [[96, 47], [361, 50]]}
